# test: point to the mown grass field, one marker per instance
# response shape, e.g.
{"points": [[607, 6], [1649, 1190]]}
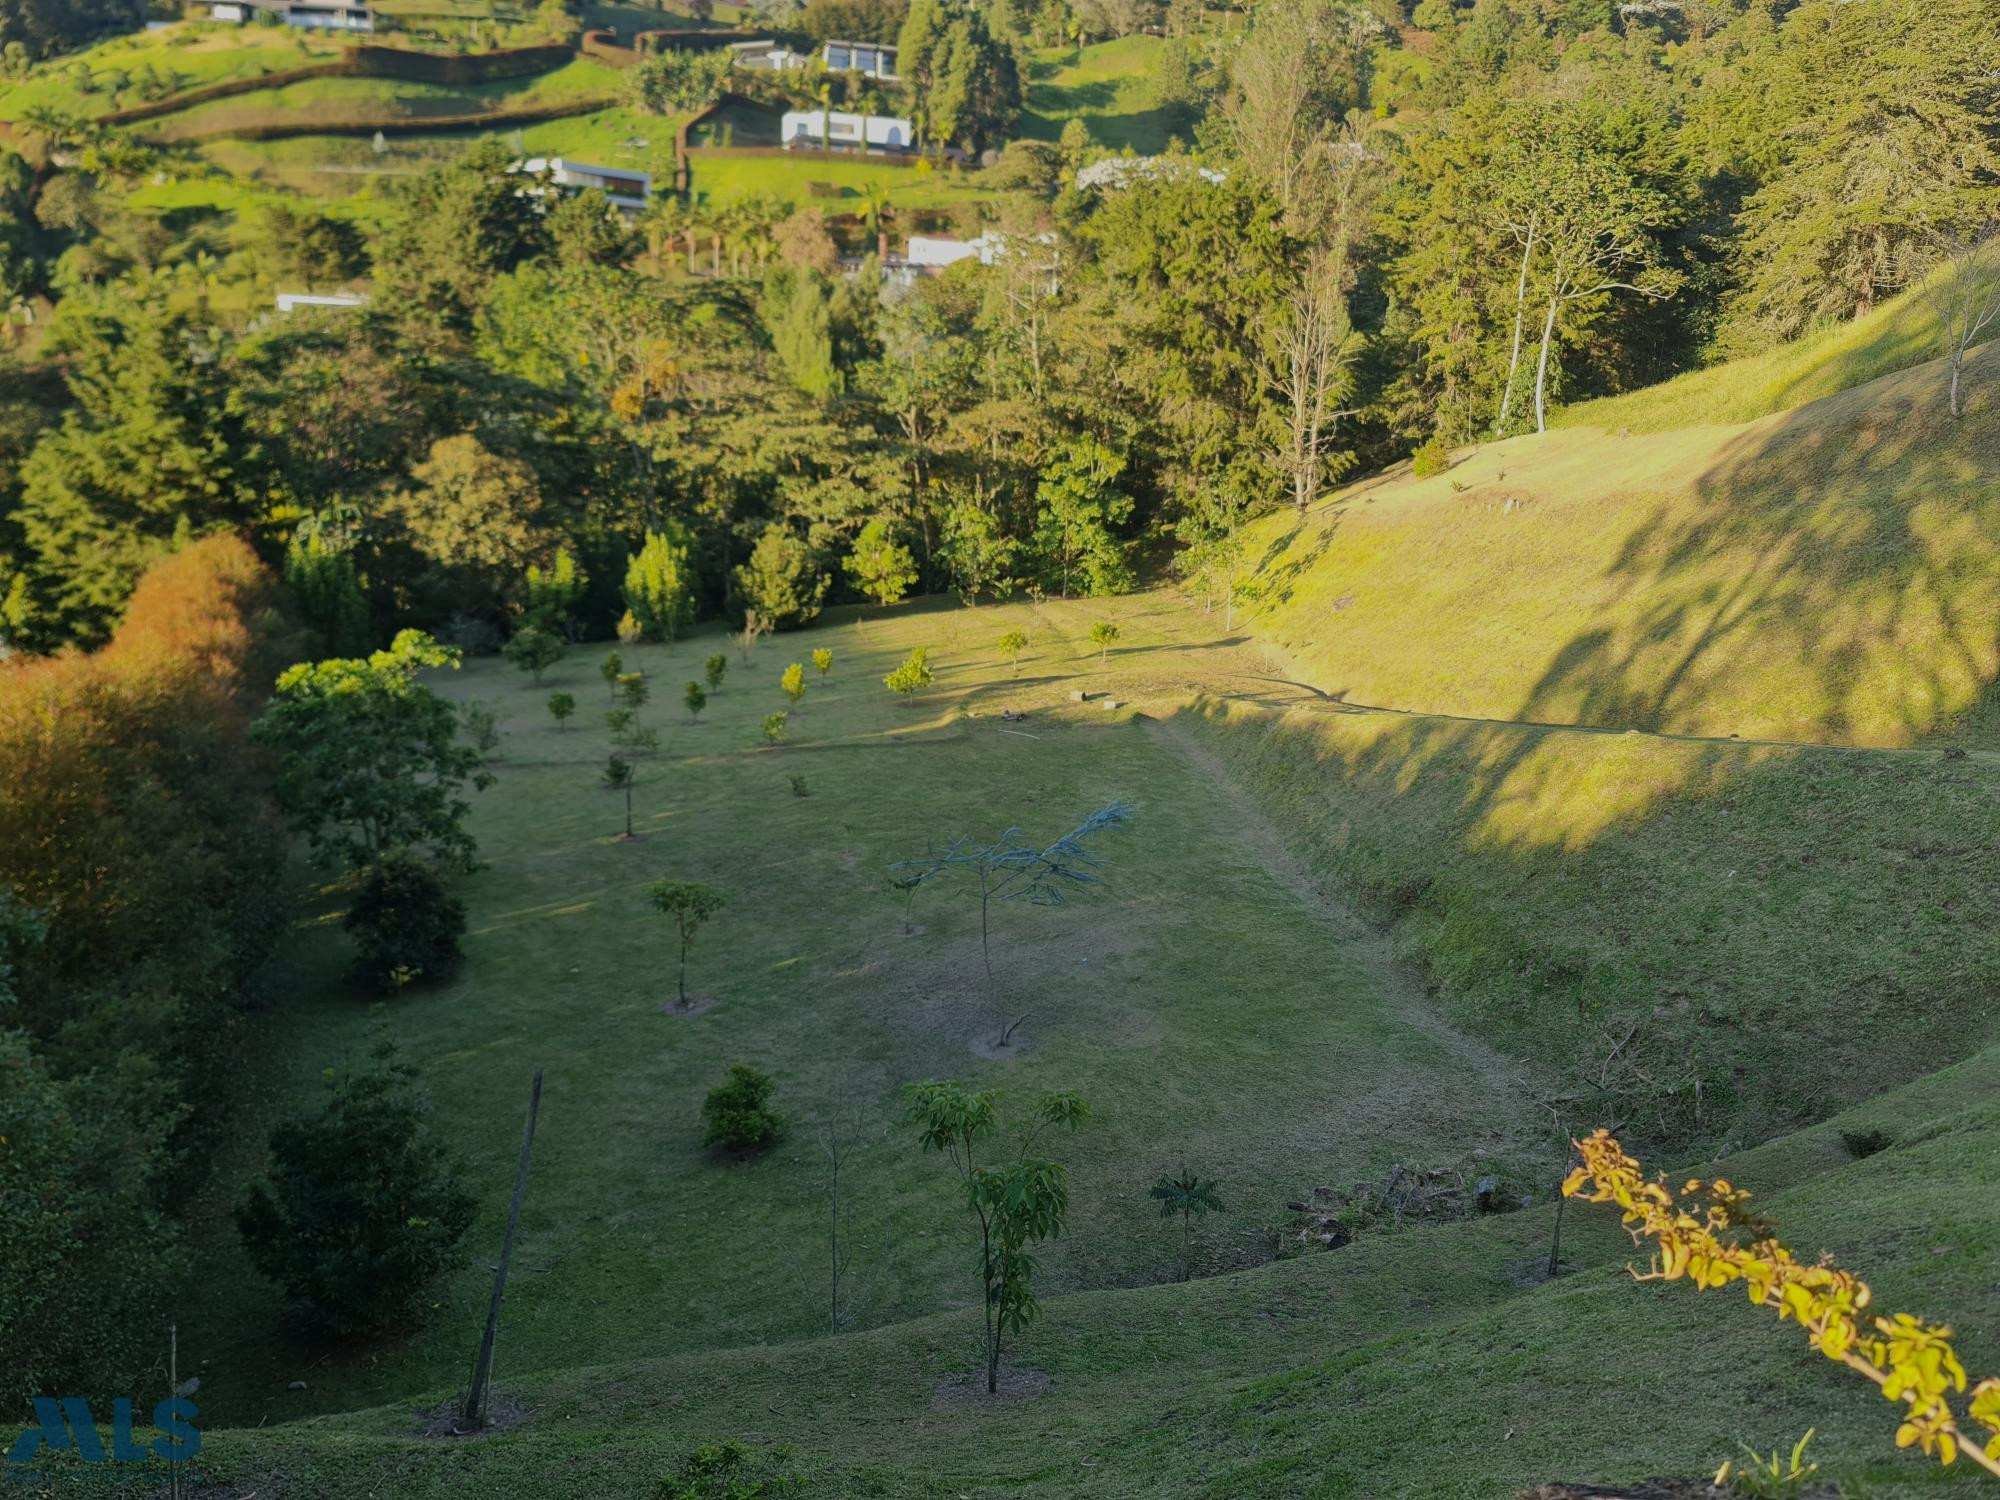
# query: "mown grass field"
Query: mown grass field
{"points": [[188, 55], [1284, 1055], [1107, 85]]}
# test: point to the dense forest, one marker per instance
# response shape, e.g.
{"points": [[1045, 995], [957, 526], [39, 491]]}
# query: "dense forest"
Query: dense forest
{"points": [[548, 415]]}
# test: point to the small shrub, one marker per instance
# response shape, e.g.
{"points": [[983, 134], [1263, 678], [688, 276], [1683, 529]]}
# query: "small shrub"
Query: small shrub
{"points": [[774, 727], [534, 650], [561, 706], [793, 683], [696, 700], [823, 660], [1103, 635], [715, 669], [1432, 458], [406, 924], [630, 631], [632, 690], [618, 723], [799, 787], [611, 669], [482, 727], [617, 772], [913, 676], [737, 1114]]}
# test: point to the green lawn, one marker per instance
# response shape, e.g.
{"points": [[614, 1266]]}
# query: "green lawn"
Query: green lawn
{"points": [[337, 100], [1252, 1063], [191, 55], [1109, 86], [789, 179]]}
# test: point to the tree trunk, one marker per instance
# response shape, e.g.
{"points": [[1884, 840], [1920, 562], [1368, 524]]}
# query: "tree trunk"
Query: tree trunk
{"points": [[482, 1368], [1542, 368], [1520, 313], [684, 972]]}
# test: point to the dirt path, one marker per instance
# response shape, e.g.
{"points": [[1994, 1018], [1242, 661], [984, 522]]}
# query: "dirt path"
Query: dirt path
{"points": [[1358, 943]]}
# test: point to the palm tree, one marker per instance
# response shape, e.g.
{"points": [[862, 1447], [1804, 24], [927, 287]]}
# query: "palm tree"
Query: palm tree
{"points": [[666, 221], [1191, 1198]]}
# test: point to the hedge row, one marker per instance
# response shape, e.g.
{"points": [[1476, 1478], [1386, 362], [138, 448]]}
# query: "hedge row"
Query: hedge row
{"points": [[367, 62], [603, 45]]}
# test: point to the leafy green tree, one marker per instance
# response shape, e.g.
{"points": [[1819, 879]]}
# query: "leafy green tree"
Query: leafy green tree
{"points": [[773, 727], [1012, 644], [803, 338], [1020, 1200], [360, 1207], [659, 585], [976, 97], [737, 1114], [561, 706], [913, 676], [677, 81], [1191, 1198], [456, 229], [588, 230], [633, 691], [1102, 635], [691, 905], [823, 660], [534, 650], [611, 669], [406, 925], [476, 517], [368, 758], [158, 444], [780, 581], [881, 566], [554, 594], [327, 590], [1080, 504], [696, 700]]}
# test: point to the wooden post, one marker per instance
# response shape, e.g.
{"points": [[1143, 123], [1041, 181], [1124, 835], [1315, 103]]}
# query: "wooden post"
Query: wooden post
{"points": [[482, 1369]]}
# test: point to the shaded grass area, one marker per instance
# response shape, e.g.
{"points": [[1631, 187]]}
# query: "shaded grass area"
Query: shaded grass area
{"points": [[1107, 85], [790, 179], [1423, 1363], [1831, 573], [1771, 934], [1274, 1060]]}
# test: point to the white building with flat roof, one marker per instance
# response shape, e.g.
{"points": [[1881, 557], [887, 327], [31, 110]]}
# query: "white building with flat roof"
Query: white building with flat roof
{"points": [[627, 187], [837, 129], [310, 15], [871, 59]]}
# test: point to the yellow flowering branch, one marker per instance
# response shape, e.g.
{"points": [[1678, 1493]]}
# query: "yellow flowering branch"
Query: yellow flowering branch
{"points": [[1707, 1234]]}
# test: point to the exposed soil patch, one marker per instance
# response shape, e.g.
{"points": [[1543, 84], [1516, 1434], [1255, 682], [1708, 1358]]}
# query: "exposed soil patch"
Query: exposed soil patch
{"points": [[696, 1004], [914, 930], [503, 1414], [987, 1046], [968, 1392]]}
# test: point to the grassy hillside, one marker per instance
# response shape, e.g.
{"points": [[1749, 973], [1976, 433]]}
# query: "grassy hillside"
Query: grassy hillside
{"points": [[1431, 1362], [1109, 87], [1830, 573], [183, 57], [635, 1245], [1901, 334]]}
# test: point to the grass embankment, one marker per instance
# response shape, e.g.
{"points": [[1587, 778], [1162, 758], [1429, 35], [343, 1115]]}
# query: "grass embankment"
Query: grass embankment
{"points": [[1830, 573], [1107, 85], [1426, 1363], [342, 103], [1281, 1058], [186, 56]]}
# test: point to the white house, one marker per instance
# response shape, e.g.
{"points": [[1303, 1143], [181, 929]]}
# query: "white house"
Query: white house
{"points": [[626, 187], [312, 15], [871, 59], [837, 129]]}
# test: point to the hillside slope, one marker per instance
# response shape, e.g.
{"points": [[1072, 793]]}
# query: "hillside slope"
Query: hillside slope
{"points": [[1425, 1363], [1830, 573]]}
